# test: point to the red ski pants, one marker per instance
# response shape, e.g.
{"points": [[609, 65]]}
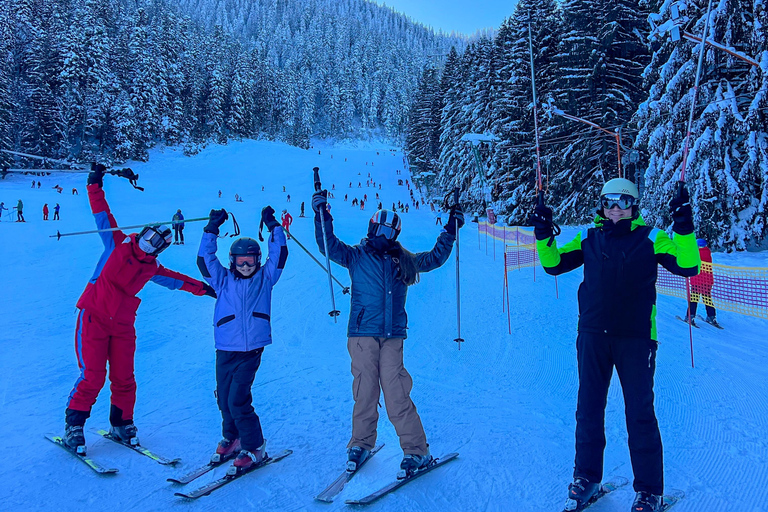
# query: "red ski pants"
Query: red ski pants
{"points": [[96, 343]]}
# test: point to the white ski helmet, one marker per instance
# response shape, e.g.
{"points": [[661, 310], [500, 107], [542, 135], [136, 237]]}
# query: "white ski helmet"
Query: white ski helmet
{"points": [[620, 186]]}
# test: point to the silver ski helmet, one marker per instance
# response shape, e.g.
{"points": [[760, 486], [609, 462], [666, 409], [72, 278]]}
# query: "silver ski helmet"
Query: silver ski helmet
{"points": [[247, 249], [154, 239], [619, 192], [620, 186], [385, 223]]}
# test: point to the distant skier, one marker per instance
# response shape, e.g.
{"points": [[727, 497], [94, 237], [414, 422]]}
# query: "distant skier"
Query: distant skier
{"points": [[288, 199], [439, 218], [56, 212], [617, 306], [107, 312], [701, 287], [286, 220], [20, 212], [241, 329], [178, 227], [381, 270], [45, 211], [220, 193], [2, 207], [301, 213], [39, 184], [74, 192]]}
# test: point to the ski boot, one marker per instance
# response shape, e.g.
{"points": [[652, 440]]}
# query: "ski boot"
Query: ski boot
{"points": [[355, 456], [226, 450], [75, 439], [711, 320], [691, 321], [126, 433], [647, 502], [580, 492], [245, 460], [412, 463]]}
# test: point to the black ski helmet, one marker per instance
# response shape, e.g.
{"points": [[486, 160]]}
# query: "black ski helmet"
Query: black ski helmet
{"points": [[385, 219], [243, 247]]}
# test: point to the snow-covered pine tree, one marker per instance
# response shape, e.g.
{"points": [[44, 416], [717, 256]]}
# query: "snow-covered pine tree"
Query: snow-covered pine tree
{"points": [[726, 171], [423, 126]]}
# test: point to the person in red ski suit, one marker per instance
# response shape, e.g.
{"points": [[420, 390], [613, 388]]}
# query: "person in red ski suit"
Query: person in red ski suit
{"points": [[287, 220], [107, 311]]}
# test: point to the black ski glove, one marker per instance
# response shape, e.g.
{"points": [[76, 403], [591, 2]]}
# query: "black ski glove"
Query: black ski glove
{"points": [[268, 218], [320, 203], [455, 220], [682, 213], [96, 176], [127, 173], [541, 220], [216, 218], [209, 291]]}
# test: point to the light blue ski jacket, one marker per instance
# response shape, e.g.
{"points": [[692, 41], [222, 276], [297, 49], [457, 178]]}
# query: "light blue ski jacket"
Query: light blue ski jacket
{"points": [[241, 318]]}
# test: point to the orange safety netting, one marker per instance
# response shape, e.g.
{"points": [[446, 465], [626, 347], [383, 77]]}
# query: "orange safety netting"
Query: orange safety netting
{"points": [[741, 290]]}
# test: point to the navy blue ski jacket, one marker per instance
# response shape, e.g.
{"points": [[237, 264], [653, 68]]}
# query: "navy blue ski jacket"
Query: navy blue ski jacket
{"points": [[378, 296]]}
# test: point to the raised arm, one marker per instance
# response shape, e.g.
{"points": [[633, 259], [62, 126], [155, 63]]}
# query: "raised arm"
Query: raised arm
{"points": [[210, 266], [100, 209], [338, 251], [439, 254], [559, 260], [178, 281], [679, 255], [278, 249]]}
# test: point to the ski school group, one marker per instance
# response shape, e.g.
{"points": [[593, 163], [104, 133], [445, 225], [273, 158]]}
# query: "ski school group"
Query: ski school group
{"points": [[620, 255]]}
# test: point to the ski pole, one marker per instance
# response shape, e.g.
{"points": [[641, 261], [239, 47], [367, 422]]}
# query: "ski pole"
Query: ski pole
{"points": [[458, 339], [58, 234], [344, 289], [318, 187]]}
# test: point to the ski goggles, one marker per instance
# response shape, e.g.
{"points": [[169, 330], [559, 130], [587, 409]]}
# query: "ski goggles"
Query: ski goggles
{"points": [[248, 259], [387, 232], [622, 201], [153, 240]]}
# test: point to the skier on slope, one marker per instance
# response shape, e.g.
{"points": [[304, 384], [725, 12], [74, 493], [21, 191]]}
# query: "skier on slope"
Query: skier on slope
{"points": [[178, 227], [107, 312], [701, 287], [286, 221], [617, 309], [381, 270], [241, 329]]}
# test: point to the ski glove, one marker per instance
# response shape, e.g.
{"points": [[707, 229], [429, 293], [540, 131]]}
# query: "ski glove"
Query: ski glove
{"points": [[320, 203], [268, 218], [96, 176], [541, 220], [682, 213], [216, 219], [455, 220], [127, 173], [198, 288]]}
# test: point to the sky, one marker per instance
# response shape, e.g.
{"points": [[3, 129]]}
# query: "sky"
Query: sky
{"points": [[455, 15]]}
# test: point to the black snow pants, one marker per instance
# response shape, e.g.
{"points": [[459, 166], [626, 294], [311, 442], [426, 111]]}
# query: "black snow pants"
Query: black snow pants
{"points": [[178, 232], [635, 362], [235, 372]]}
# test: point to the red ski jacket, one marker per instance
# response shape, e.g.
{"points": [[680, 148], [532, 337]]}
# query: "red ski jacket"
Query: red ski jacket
{"points": [[703, 282], [123, 270]]}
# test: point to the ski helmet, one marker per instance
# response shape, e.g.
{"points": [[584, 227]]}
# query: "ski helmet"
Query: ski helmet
{"points": [[701, 242], [249, 252], [385, 223], [620, 186], [155, 239]]}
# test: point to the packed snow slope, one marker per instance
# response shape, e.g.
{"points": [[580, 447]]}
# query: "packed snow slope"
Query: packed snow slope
{"points": [[505, 402]]}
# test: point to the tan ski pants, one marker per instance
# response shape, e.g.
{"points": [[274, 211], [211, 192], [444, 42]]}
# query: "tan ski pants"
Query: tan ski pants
{"points": [[377, 364]]}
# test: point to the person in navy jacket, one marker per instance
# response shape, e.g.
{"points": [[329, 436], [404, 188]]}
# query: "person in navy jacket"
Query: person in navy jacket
{"points": [[241, 330]]}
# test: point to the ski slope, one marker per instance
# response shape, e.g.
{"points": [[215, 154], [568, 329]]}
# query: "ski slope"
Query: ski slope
{"points": [[505, 402]]}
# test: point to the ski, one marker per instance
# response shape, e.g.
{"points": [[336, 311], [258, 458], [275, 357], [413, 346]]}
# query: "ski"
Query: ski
{"points": [[716, 326], [139, 449], [221, 482], [607, 487], [686, 321], [399, 483], [671, 499], [196, 473], [98, 468], [337, 486]]}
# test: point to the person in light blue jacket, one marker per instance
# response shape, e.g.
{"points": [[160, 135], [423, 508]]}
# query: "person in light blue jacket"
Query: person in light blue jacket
{"points": [[241, 330]]}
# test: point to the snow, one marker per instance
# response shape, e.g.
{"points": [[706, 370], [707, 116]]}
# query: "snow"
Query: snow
{"points": [[505, 402], [477, 138]]}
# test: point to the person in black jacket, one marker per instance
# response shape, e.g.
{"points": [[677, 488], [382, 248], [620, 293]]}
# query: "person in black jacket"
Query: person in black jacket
{"points": [[617, 327], [381, 271]]}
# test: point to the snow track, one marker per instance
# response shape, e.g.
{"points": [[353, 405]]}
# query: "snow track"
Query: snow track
{"points": [[505, 402]]}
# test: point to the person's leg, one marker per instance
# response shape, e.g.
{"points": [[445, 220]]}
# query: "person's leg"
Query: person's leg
{"points": [[91, 347], [181, 235], [226, 362], [636, 364], [397, 383], [240, 400], [364, 352], [122, 347], [595, 370]]}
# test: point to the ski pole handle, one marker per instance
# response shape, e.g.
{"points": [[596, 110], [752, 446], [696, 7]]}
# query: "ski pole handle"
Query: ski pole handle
{"points": [[318, 185]]}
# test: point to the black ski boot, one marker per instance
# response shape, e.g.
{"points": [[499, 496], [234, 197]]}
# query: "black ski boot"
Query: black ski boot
{"points": [[711, 320], [74, 438], [126, 433], [355, 456], [580, 492], [412, 463], [647, 502]]}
